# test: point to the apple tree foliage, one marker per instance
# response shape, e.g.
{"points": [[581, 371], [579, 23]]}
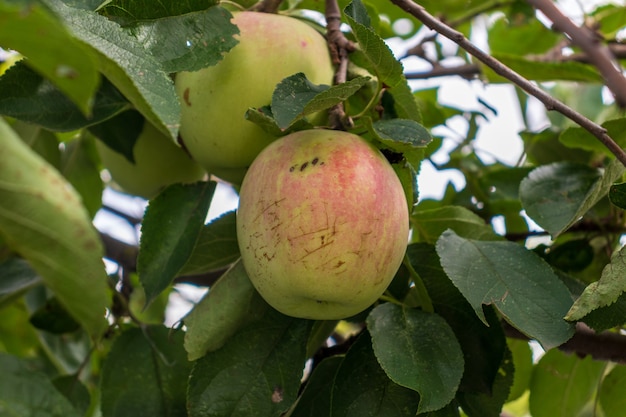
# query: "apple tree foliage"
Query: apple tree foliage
{"points": [[517, 260]]}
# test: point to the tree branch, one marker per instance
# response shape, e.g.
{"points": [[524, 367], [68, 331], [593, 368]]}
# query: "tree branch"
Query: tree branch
{"points": [[339, 47], [589, 42], [498, 67], [604, 346]]}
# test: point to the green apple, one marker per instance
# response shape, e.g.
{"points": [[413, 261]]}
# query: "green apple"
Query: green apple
{"points": [[322, 224], [159, 162], [215, 99]]}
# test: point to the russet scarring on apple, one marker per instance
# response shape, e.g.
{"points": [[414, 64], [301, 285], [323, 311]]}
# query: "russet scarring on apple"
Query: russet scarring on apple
{"points": [[322, 224], [214, 100]]}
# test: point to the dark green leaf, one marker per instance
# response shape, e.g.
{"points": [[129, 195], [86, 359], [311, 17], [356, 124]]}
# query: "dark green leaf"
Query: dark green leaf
{"points": [[573, 255], [265, 120], [432, 223], [121, 132], [25, 392], [516, 281], [603, 292], [80, 167], [135, 10], [31, 30], [27, 96], [316, 397], [419, 351], [53, 318], [257, 372], [561, 384], [483, 346], [611, 395], [523, 364], [145, 374], [557, 195], [361, 387], [617, 195], [170, 229], [127, 64], [490, 405], [75, 391], [230, 303], [16, 276], [401, 134], [216, 247], [578, 137], [387, 68], [188, 42], [296, 97], [42, 218]]}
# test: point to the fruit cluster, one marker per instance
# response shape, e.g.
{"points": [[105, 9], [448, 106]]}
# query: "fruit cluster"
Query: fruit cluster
{"points": [[322, 222]]}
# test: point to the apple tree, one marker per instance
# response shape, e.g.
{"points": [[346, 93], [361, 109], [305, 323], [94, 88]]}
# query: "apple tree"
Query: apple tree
{"points": [[504, 299]]}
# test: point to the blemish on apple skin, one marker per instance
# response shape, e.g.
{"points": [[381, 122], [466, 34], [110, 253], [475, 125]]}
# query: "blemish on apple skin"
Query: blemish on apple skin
{"points": [[186, 97], [315, 161], [303, 166]]}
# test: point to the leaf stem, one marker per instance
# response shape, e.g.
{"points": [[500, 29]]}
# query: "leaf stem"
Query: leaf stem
{"points": [[422, 292]]}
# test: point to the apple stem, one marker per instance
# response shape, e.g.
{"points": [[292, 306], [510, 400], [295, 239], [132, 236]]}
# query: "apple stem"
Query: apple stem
{"points": [[422, 293]]}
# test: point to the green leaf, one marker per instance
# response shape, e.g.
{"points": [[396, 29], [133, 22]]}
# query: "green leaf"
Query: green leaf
{"points": [[17, 277], [611, 394], [543, 71], [145, 374], [578, 137], [523, 364], [295, 97], [617, 195], [80, 167], [27, 96], [603, 292], [31, 30], [265, 120], [490, 405], [562, 385], [431, 223], [127, 64], [361, 387], [170, 229], [483, 346], [515, 280], [609, 19], [42, 218], [419, 351], [231, 303], [188, 42], [257, 372], [316, 397], [121, 132], [529, 37], [75, 391], [556, 196], [402, 135], [25, 392], [135, 10], [216, 246], [387, 68], [53, 318]]}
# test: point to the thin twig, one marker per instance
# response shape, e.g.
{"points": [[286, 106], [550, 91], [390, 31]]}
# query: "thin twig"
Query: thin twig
{"points": [[499, 68], [267, 6], [590, 43], [339, 47]]}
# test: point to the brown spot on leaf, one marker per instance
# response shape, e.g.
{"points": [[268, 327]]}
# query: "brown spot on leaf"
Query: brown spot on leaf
{"points": [[277, 395]]}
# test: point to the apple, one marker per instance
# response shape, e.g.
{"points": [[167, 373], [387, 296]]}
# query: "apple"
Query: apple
{"points": [[214, 100], [159, 162], [322, 224]]}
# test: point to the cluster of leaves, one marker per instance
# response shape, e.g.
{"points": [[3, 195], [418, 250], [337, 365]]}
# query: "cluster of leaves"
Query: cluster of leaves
{"points": [[434, 345]]}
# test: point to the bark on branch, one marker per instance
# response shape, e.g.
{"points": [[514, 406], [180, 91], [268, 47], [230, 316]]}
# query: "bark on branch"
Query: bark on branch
{"points": [[597, 52]]}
